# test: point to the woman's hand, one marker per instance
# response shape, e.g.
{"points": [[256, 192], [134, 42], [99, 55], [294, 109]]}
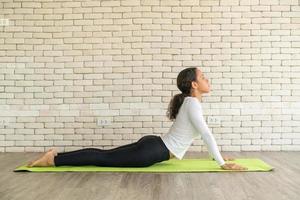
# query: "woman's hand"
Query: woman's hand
{"points": [[226, 158], [233, 166]]}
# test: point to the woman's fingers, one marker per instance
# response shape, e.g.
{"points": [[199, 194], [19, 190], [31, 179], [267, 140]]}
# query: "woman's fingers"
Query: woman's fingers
{"points": [[238, 167], [235, 166]]}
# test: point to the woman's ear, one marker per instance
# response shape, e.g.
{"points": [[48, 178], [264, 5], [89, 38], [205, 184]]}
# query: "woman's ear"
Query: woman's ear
{"points": [[194, 85]]}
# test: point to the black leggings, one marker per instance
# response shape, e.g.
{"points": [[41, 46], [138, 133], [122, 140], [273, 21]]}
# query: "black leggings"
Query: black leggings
{"points": [[147, 151]]}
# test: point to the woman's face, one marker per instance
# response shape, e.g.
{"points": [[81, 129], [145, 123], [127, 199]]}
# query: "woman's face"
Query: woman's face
{"points": [[201, 85]]}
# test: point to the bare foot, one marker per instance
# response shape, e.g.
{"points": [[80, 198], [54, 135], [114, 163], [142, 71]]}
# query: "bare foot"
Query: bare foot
{"points": [[53, 151], [31, 162], [46, 160]]}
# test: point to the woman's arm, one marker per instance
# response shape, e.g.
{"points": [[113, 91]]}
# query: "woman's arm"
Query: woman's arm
{"points": [[195, 115], [210, 156]]}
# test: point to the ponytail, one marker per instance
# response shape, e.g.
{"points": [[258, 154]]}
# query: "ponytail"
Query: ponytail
{"points": [[184, 84], [175, 105]]}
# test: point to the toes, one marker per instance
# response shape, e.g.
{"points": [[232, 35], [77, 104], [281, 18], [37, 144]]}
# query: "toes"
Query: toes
{"points": [[29, 164], [43, 161], [33, 164], [37, 162]]}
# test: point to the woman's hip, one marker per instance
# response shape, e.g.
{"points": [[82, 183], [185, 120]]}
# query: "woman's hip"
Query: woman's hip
{"points": [[153, 146]]}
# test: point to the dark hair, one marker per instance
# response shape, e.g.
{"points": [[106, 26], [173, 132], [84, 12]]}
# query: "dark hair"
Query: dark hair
{"points": [[184, 84]]}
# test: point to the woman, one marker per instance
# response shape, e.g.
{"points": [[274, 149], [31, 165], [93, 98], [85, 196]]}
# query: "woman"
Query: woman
{"points": [[184, 108]]}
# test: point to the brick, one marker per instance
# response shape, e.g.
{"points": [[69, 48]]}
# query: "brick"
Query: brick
{"points": [[14, 149], [69, 61]]}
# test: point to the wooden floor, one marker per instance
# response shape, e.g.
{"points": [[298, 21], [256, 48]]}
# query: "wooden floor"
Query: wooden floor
{"points": [[282, 183]]}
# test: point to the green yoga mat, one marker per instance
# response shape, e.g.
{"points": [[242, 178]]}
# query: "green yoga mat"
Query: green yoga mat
{"points": [[172, 165]]}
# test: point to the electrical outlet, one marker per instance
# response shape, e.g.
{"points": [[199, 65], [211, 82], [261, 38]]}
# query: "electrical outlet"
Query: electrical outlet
{"points": [[214, 120], [4, 22], [103, 121]]}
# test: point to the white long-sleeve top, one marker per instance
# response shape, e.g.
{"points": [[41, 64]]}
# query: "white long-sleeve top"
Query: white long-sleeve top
{"points": [[188, 125]]}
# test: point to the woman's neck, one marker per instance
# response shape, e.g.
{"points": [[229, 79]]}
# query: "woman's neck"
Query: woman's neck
{"points": [[199, 96]]}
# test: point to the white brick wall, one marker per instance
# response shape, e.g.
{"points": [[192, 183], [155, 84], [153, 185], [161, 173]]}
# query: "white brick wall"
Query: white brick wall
{"points": [[63, 64]]}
